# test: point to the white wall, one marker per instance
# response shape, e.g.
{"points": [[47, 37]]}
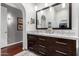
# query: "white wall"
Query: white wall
{"points": [[75, 17], [75, 9], [30, 13], [0, 24], [0, 28]]}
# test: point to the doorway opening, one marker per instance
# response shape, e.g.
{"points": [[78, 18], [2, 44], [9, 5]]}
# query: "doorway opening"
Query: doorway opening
{"points": [[11, 29]]}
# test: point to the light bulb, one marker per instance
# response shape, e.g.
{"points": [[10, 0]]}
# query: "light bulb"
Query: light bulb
{"points": [[63, 5], [50, 9], [41, 12], [35, 8], [46, 4], [10, 19]]}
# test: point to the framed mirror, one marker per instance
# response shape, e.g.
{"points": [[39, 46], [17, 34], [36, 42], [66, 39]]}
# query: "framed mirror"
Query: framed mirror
{"points": [[58, 15]]}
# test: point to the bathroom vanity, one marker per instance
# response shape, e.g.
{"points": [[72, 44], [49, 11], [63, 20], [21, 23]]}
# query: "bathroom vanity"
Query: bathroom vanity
{"points": [[51, 45], [55, 17]]}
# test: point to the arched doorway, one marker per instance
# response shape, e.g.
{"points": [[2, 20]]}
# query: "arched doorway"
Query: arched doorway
{"points": [[21, 7]]}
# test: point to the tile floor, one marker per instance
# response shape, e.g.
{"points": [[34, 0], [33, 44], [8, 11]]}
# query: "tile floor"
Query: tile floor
{"points": [[26, 53]]}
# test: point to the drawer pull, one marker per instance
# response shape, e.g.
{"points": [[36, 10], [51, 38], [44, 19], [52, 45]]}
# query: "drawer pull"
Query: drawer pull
{"points": [[61, 43], [61, 52], [42, 52], [41, 39], [42, 46]]}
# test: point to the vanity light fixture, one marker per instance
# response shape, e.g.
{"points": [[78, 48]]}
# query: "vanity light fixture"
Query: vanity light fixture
{"points": [[63, 5], [41, 12], [36, 8], [46, 4], [50, 9]]}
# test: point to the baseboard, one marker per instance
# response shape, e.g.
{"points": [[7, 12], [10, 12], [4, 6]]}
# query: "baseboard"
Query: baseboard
{"points": [[12, 44]]}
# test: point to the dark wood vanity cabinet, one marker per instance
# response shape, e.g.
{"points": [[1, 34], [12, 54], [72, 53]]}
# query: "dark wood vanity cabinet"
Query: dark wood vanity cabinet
{"points": [[65, 47], [50, 46]]}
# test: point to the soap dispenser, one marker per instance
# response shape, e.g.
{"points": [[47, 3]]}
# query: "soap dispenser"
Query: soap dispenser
{"points": [[49, 27]]}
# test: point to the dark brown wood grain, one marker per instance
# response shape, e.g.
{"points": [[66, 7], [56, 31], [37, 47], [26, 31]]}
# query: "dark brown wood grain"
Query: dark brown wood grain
{"points": [[51, 46]]}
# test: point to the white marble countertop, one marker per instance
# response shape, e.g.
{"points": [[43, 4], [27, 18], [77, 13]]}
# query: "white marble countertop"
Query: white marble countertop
{"points": [[55, 35]]}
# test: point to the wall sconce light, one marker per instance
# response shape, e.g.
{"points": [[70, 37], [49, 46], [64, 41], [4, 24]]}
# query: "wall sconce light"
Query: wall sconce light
{"points": [[10, 20], [63, 5]]}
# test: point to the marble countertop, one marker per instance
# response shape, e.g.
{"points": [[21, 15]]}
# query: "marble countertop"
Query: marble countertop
{"points": [[55, 35]]}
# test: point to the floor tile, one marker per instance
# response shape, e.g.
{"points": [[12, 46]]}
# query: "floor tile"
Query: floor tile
{"points": [[26, 53]]}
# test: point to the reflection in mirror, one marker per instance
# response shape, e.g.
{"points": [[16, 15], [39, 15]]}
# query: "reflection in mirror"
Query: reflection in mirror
{"points": [[58, 14], [61, 16]]}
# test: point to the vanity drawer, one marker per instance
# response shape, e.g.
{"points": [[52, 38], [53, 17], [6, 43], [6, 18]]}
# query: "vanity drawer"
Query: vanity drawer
{"points": [[43, 39], [63, 41], [63, 53], [66, 46], [42, 46], [51, 46], [62, 50], [60, 53], [62, 46], [42, 53], [45, 44], [30, 36], [30, 44]]}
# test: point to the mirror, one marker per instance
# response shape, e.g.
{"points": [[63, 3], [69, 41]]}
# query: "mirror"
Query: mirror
{"points": [[56, 16]]}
